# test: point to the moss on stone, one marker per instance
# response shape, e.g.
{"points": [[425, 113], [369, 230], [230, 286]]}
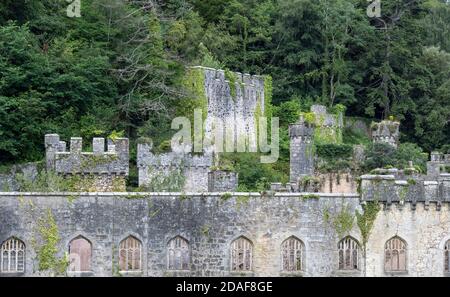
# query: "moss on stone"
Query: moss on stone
{"points": [[194, 85]]}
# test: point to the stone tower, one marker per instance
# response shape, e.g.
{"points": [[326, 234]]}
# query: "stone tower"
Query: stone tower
{"points": [[301, 150], [386, 132]]}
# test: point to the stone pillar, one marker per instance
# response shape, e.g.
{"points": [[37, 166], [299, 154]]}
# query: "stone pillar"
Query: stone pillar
{"points": [[144, 149], [76, 145], [302, 152], [52, 145], [98, 146], [122, 149]]}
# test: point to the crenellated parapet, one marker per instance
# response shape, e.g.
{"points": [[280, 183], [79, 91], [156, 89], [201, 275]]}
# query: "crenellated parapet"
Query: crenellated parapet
{"points": [[105, 168], [439, 163], [386, 132], [173, 171], [390, 190]]}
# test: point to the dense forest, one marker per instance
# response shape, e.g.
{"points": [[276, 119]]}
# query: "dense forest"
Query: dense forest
{"points": [[117, 69]]}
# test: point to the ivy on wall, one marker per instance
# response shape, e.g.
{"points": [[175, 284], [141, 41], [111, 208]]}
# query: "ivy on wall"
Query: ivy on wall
{"points": [[46, 246]]}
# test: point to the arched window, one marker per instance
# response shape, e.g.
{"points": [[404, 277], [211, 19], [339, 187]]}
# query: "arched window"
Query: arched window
{"points": [[241, 254], [348, 254], [395, 255], [130, 254], [12, 257], [447, 257], [80, 254], [178, 254], [292, 253]]}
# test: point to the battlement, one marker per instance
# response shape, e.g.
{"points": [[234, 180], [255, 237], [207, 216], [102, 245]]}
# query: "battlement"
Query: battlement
{"points": [[244, 79], [440, 163], [112, 161], [386, 132], [302, 130], [188, 171], [389, 190]]}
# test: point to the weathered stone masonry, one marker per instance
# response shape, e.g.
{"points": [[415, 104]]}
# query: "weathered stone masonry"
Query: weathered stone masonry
{"points": [[209, 223], [419, 215]]}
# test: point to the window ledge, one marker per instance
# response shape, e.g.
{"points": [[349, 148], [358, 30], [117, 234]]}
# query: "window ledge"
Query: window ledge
{"points": [[11, 274], [175, 273], [292, 273], [348, 273], [131, 273], [80, 273], [396, 273], [242, 273]]}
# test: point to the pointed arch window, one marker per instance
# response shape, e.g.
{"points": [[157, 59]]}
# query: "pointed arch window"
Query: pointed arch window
{"points": [[178, 254], [80, 254], [292, 253], [348, 254], [130, 254], [395, 255], [241, 254], [12, 256]]}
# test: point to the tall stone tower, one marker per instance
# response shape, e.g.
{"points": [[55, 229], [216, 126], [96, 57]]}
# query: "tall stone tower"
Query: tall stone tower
{"points": [[301, 150], [386, 132]]}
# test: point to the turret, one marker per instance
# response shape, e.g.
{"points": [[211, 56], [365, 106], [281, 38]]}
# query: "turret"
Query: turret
{"points": [[386, 132], [301, 150]]}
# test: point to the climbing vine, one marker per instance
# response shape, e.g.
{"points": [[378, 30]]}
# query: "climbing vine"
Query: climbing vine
{"points": [[46, 246], [343, 222], [366, 220]]}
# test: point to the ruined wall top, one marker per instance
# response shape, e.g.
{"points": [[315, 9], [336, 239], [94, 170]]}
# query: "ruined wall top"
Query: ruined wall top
{"points": [[301, 129], [113, 160], [230, 97], [386, 132], [325, 119], [177, 158]]}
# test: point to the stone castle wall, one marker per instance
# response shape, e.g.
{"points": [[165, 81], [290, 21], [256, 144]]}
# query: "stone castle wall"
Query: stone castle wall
{"points": [[175, 171], [211, 222]]}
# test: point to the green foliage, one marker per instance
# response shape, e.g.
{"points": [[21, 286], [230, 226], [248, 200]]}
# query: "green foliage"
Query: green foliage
{"points": [[310, 197], [383, 155], [121, 67], [253, 176], [332, 151], [46, 246], [44, 182], [226, 196], [343, 221], [366, 219]]}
